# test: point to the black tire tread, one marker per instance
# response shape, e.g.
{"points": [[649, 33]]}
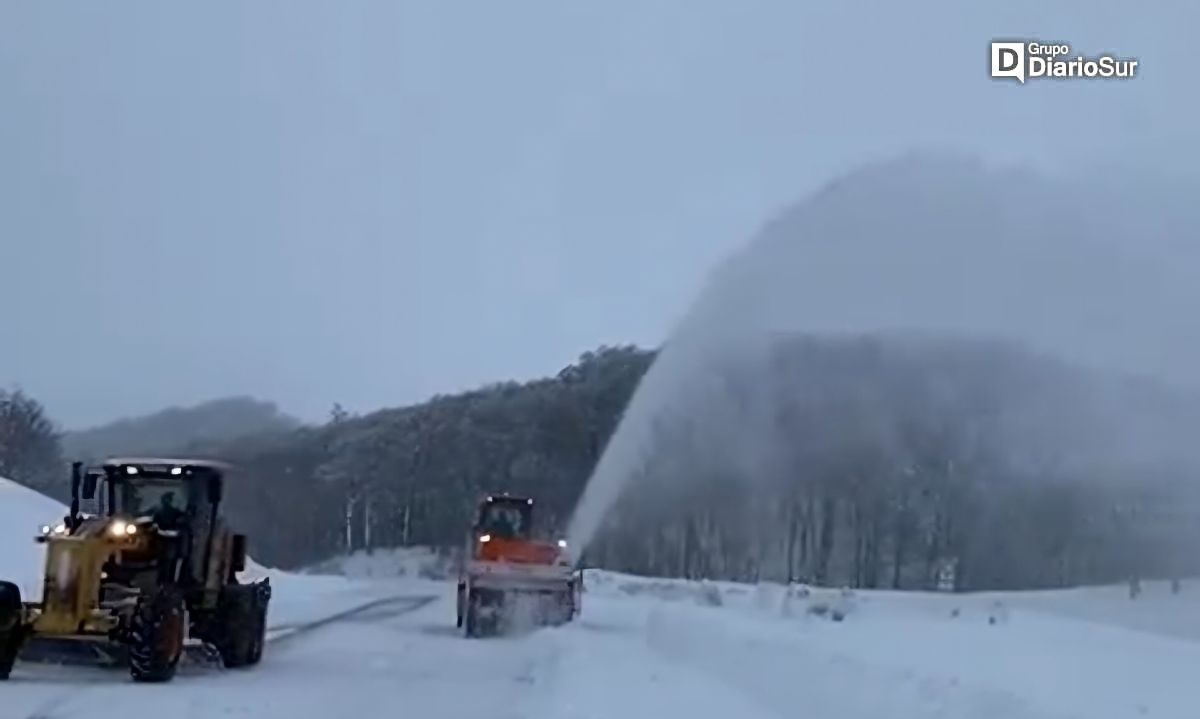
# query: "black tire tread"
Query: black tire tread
{"points": [[147, 660], [10, 646], [11, 631], [241, 635], [478, 623]]}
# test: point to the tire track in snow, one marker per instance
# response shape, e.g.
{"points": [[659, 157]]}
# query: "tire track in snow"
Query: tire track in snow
{"points": [[60, 706], [282, 633]]}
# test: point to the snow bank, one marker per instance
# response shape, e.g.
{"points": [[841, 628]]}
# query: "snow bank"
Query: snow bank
{"points": [[770, 598], [1088, 651], [1159, 610], [22, 512], [912, 658], [601, 582], [391, 563]]}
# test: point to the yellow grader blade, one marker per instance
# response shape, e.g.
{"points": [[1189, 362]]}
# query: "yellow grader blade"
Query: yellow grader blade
{"points": [[68, 623], [71, 589]]}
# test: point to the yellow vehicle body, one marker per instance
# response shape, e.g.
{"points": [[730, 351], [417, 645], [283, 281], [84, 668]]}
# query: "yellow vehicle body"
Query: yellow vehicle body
{"points": [[140, 586], [71, 603]]}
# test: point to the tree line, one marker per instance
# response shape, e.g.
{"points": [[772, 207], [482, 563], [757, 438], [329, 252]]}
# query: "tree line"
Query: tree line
{"points": [[863, 461]]}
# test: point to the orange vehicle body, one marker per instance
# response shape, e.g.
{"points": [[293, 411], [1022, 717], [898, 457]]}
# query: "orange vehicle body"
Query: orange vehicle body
{"points": [[516, 550], [508, 577]]}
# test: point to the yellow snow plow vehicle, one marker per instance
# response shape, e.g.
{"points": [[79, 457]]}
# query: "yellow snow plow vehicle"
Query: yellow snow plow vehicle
{"points": [[151, 572]]}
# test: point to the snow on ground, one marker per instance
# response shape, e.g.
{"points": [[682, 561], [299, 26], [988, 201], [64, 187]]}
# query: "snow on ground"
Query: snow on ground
{"points": [[641, 654], [419, 562], [22, 513], [649, 647], [1074, 653]]}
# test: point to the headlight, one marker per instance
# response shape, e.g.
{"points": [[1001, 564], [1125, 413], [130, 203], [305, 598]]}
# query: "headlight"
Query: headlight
{"points": [[45, 529], [121, 528], [60, 528], [485, 538], [562, 544]]}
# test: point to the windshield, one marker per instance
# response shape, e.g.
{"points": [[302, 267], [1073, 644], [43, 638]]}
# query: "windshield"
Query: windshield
{"points": [[504, 521], [137, 498]]}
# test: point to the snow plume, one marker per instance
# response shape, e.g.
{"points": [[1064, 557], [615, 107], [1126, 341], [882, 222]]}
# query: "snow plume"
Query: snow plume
{"points": [[1038, 319]]}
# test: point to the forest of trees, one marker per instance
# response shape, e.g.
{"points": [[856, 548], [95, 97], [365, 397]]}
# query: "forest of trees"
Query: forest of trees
{"points": [[180, 428], [862, 461], [30, 443]]}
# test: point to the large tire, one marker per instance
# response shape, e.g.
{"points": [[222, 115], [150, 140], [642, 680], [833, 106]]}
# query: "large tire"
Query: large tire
{"points": [[156, 634], [259, 641], [243, 626], [564, 607], [483, 613], [471, 618], [11, 630]]}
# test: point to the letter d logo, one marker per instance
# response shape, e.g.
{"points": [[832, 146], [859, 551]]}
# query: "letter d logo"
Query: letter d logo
{"points": [[1008, 60]]}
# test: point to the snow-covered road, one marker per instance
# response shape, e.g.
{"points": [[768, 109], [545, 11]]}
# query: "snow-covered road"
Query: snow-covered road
{"points": [[399, 654], [642, 654]]}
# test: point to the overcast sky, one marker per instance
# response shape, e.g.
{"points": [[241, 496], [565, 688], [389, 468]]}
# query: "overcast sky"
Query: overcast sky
{"points": [[371, 202]]}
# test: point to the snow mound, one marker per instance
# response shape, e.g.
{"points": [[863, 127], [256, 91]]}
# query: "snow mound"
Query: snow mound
{"points": [[769, 598], [391, 563], [603, 583], [945, 655], [255, 572], [1087, 651], [22, 512]]}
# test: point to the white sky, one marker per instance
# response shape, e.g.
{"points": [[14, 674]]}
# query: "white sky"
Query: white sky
{"points": [[372, 202]]}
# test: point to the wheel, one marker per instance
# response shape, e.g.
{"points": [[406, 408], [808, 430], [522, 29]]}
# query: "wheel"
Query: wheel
{"points": [[462, 590], [242, 619], [259, 642], [470, 620], [11, 630], [564, 606], [477, 622], [483, 613], [10, 644], [156, 633]]}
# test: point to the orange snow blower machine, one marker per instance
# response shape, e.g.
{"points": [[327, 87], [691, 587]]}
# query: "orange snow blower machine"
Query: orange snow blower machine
{"points": [[510, 581]]}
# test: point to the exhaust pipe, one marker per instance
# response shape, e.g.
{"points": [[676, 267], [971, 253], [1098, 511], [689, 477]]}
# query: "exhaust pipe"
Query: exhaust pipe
{"points": [[76, 481]]}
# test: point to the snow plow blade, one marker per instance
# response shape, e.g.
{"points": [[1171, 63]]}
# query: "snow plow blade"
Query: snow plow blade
{"points": [[518, 577], [70, 652], [502, 599], [65, 651]]}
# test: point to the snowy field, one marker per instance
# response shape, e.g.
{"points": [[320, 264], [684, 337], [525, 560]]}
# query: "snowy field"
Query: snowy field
{"points": [[654, 648]]}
